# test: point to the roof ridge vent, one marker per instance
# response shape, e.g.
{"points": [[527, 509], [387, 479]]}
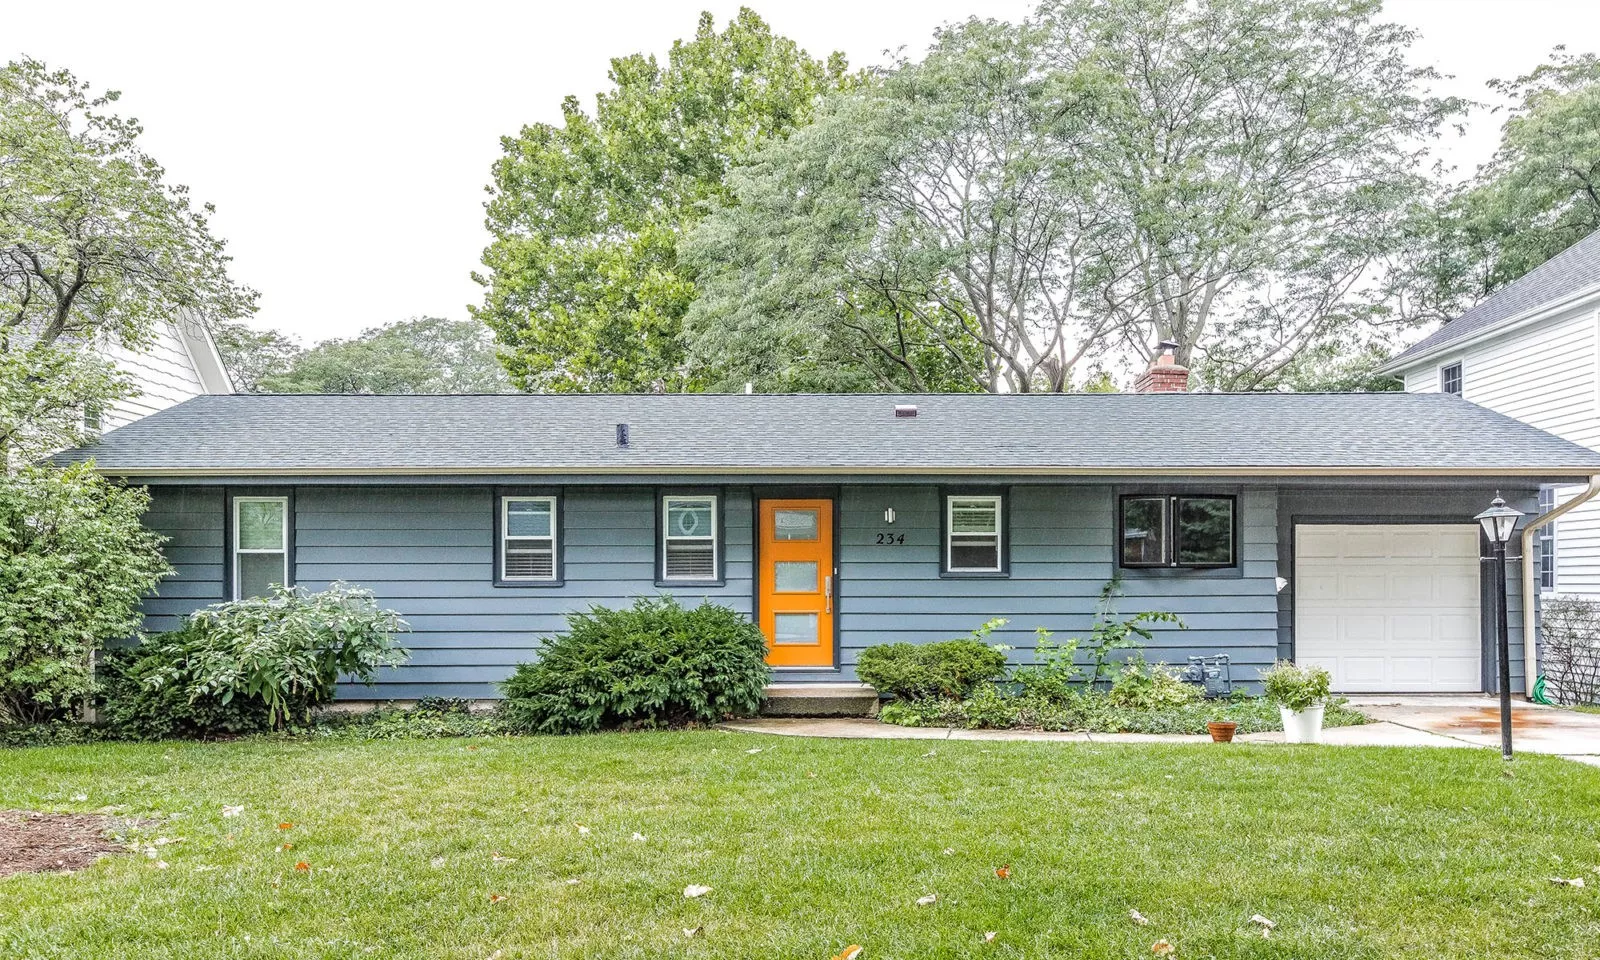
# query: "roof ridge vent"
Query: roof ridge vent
{"points": [[622, 435], [905, 411]]}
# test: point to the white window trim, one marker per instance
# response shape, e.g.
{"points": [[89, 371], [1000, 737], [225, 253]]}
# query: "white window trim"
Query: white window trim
{"points": [[506, 538], [950, 534], [1461, 376], [667, 537], [1547, 535], [283, 539]]}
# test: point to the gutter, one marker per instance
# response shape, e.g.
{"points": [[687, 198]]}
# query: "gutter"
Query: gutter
{"points": [[1530, 640]]}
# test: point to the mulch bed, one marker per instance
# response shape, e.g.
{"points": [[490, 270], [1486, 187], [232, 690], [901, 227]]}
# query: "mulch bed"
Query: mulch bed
{"points": [[32, 842]]}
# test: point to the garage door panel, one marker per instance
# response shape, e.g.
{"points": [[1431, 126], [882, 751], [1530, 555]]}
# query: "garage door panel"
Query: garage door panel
{"points": [[1389, 608]]}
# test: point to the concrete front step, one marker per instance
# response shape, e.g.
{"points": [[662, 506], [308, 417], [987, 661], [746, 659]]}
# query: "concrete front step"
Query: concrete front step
{"points": [[820, 700]]}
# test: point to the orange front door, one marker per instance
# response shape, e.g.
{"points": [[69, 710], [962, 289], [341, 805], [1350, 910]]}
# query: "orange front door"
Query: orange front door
{"points": [[797, 581]]}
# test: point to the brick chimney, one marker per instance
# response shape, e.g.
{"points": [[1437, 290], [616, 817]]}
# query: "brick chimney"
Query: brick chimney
{"points": [[1164, 375]]}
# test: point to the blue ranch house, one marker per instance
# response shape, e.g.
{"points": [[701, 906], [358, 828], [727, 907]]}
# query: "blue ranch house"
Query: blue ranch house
{"points": [[1333, 529]]}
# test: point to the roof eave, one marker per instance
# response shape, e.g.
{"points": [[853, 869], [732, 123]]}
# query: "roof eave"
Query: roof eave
{"points": [[1514, 322], [1557, 470]]}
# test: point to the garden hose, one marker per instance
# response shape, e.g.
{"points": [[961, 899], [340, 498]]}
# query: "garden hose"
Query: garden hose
{"points": [[1538, 691]]}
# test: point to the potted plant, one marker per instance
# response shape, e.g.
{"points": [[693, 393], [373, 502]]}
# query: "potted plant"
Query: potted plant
{"points": [[1300, 693], [1221, 730]]}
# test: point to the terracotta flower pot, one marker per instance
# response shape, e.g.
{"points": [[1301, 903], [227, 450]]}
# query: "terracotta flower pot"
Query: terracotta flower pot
{"points": [[1221, 730]]}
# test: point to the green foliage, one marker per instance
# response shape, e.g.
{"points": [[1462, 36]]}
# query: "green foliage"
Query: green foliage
{"points": [[98, 247], [432, 718], [949, 668], [1536, 197], [584, 285], [1111, 632], [75, 561], [1227, 174], [1054, 674], [1096, 713], [258, 663], [656, 663], [1295, 687], [425, 355], [1142, 686], [252, 355]]}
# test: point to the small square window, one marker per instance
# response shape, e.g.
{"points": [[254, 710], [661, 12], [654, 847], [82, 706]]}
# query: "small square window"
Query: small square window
{"points": [[528, 540], [973, 535], [1450, 379], [689, 542]]}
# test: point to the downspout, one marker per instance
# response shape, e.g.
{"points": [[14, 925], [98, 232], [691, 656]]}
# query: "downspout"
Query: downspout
{"points": [[1530, 588]]}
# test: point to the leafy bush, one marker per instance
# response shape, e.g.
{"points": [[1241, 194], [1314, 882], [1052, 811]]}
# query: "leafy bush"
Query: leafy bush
{"points": [[251, 664], [1141, 686], [1095, 713], [1295, 687], [1570, 650], [74, 563], [1054, 674], [432, 718], [949, 668], [656, 663], [1111, 632]]}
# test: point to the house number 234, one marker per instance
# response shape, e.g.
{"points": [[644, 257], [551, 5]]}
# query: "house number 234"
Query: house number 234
{"points": [[891, 539]]}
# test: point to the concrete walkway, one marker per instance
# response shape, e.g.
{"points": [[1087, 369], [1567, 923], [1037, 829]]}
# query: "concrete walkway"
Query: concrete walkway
{"points": [[1410, 721]]}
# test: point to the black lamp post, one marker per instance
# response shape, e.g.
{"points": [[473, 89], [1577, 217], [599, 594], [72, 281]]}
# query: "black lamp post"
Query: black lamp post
{"points": [[1499, 523]]}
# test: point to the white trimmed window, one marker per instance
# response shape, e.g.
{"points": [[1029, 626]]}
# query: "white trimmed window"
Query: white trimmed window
{"points": [[972, 535], [689, 538], [528, 539], [260, 545]]}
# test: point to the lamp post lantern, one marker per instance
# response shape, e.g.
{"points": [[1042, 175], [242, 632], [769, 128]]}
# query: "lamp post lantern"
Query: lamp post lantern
{"points": [[1499, 523]]}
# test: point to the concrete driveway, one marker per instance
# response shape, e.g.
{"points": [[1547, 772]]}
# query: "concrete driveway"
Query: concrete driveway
{"points": [[1475, 721]]}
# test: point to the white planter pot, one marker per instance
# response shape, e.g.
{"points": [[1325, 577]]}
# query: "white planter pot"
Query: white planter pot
{"points": [[1302, 726]]}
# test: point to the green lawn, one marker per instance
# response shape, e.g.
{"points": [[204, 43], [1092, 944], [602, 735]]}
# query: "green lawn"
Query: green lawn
{"points": [[809, 846]]}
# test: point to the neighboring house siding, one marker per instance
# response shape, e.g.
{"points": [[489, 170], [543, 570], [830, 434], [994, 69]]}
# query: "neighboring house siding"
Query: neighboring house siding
{"points": [[1547, 375], [164, 374], [1345, 505]]}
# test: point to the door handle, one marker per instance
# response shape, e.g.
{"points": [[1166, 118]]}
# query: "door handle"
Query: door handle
{"points": [[827, 593]]}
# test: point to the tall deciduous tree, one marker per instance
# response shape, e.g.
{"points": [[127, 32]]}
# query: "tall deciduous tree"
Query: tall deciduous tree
{"points": [[584, 286], [929, 233], [1230, 175], [425, 355], [95, 247], [1538, 195]]}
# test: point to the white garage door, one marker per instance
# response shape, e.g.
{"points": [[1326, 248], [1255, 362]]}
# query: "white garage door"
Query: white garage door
{"points": [[1389, 608]]}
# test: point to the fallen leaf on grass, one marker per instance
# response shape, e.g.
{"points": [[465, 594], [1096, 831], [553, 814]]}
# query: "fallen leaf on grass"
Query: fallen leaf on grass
{"points": [[949, 851], [692, 932], [1138, 918], [228, 811], [1162, 948], [1003, 872], [161, 864], [285, 846], [303, 867], [1262, 922], [694, 890], [928, 901], [932, 753], [755, 751], [638, 837], [496, 858], [574, 882], [1574, 882], [80, 798], [849, 953], [286, 826], [989, 937], [495, 898]]}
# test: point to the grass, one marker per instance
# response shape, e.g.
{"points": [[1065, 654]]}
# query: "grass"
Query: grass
{"points": [[809, 846]]}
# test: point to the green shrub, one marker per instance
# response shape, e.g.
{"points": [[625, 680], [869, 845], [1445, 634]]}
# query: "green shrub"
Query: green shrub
{"points": [[1295, 687], [74, 563], [918, 671], [432, 718], [252, 664], [656, 663], [1141, 686], [1054, 674]]}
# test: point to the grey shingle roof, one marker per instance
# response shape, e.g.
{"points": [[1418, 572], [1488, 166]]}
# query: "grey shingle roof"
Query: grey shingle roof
{"points": [[284, 435], [1573, 269]]}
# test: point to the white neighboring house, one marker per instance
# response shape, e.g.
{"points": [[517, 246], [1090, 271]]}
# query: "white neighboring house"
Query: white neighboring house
{"points": [[1532, 351], [183, 362]]}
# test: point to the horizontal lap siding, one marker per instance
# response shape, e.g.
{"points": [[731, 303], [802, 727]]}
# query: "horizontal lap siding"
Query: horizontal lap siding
{"points": [[1061, 556], [427, 553]]}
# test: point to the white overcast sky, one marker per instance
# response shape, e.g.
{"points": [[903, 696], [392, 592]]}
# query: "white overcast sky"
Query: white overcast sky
{"points": [[346, 146]]}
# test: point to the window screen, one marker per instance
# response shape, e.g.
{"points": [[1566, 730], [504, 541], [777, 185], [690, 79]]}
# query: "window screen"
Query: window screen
{"points": [[260, 545], [528, 538], [689, 540], [972, 534]]}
